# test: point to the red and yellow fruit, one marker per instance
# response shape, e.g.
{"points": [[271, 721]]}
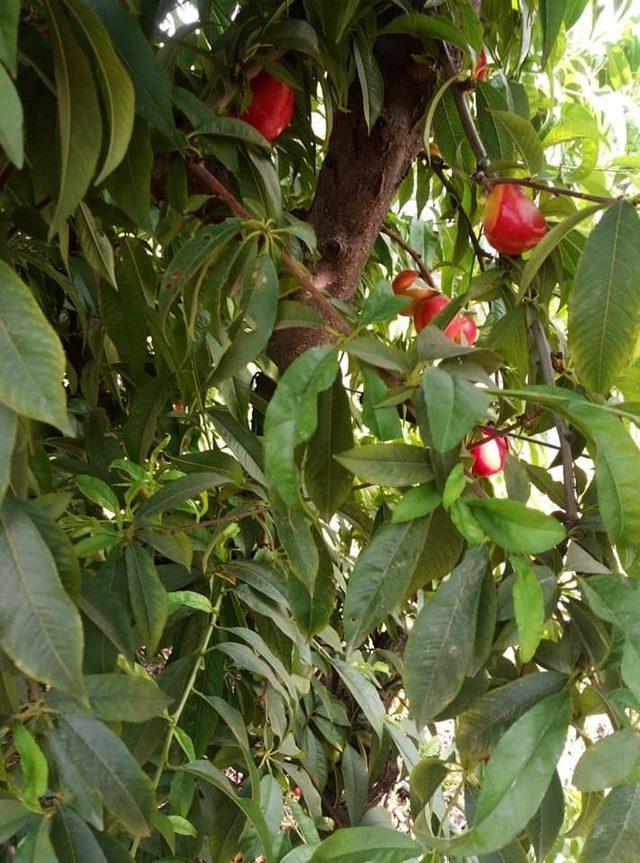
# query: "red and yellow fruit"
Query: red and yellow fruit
{"points": [[512, 222], [461, 329], [409, 283], [480, 71], [271, 107], [489, 455]]}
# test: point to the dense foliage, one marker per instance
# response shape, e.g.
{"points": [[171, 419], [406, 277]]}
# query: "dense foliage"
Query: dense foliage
{"points": [[253, 571]]}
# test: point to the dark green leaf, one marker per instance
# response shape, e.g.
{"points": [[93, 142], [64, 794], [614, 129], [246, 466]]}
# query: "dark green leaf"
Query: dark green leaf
{"points": [[32, 361], [125, 697], [13, 815], [364, 692], [388, 464], [73, 840], [367, 844], [129, 183], [297, 539], [441, 642], [11, 136], [426, 27], [78, 115], [515, 527], [328, 482], [381, 577], [615, 834], [312, 607], [8, 429], [178, 490], [525, 139], [551, 15], [604, 306], [40, 627], [528, 602], [546, 823], [417, 502], [147, 595]]}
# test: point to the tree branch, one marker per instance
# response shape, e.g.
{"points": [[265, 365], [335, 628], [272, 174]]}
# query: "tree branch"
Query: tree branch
{"points": [[462, 105], [490, 182], [308, 290], [564, 435], [425, 274]]}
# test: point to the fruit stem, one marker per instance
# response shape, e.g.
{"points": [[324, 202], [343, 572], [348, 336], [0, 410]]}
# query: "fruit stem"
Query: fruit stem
{"points": [[425, 274], [564, 435]]}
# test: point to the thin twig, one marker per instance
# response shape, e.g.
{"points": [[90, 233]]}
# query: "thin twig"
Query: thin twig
{"points": [[448, 185], [308, 289], [425, 274], [462, 105], [564, 435], [490, 182]]}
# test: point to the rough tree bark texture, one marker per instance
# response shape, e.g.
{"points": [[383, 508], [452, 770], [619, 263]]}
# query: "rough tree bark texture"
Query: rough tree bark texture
{"points": [[359, 178]]}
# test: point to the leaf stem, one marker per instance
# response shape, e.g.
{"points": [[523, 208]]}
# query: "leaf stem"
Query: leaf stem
{"points": [[175, 717]]}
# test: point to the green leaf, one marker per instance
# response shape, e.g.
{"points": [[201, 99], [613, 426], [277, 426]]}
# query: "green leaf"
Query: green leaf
{"points": [[449, 133], [516, 778], [613, 760], [254, 326], [312, 607], [550, 241], [36, 844], [78, 115], [545, 825], [90, 755], [425, 777], [73, 840], [441, 642], [604, 305], [525, 139], [11, 135], [371, 82], [356, 783], [328, 483], [124, 697], [95, 246], [148, 596], [392, 464], [9, 18], [417, 502], [454, 406], [244, 445], [515, 527], [179, 599], [33, 765], [115, 85], [8, 429], [297, 539], [365, 845], [13, 815], [615, 833], [426, 27], [206, 771], [381, 577], [32, 361], [178, 490], [153, 94], [497, 141], [40, 628], [377, 353], [292, 417], [480, 727], [104, 609], [364, 693], [528, 602], [551, 15], [98, 492], [129, 184], [384, 422]]}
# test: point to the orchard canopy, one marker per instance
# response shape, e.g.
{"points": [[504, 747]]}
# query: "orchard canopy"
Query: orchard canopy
{"points": [[319, 407]]}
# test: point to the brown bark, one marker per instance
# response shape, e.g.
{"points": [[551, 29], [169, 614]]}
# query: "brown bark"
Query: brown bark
{"points": [[359, 179]]}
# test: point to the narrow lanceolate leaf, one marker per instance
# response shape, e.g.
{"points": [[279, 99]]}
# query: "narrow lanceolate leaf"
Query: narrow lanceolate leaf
{"points": [[515, 527], [615, 834], [95, 246], [73, 839], [88, 754], [365, 844], [528, 602], [454, 406], [440, 646], [297, 539], [117, 90], [178, 490], [129, 183], [8, 427], [292, 417], [327, 481], [11, 135], [13, 815], [516, 778], [546, 823], [551, 15], [381, 577], [78, 117], [31, 357], [40, 628], [9, 18], [33, 765], [525, 139], [125, 697], [604, 303], [480, 727], [148, 596], [312, 607], [614, 760], [395, 464], [364, 693]]}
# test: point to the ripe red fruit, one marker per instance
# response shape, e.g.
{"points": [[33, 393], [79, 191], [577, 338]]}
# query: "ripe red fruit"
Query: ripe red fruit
{"points": [[489, 455], [465, 332], [427, 309], [408, 283], [480, 72], [272, 106], [512, 222]]}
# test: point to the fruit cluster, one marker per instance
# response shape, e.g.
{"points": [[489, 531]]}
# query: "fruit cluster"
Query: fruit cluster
{"points": [[426, 304]]}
